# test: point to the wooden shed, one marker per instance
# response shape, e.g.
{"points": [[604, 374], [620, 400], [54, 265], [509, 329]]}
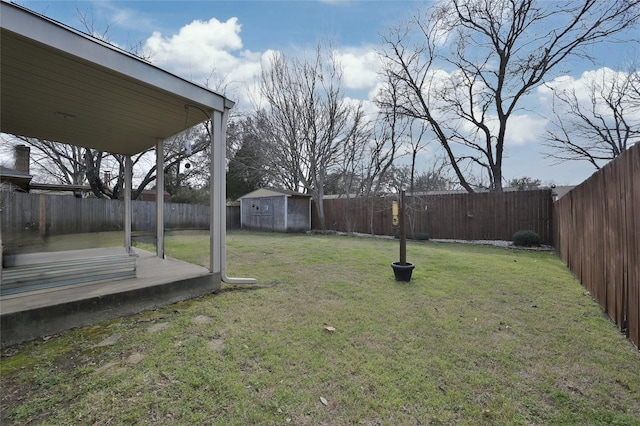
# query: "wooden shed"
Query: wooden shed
{"points": [[275, 210]]}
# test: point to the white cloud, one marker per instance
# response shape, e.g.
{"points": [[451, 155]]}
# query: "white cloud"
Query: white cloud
{"points": [[594, 86], [209, 52], [199, 48], [604, 79], [360, 68], [525, 129]]}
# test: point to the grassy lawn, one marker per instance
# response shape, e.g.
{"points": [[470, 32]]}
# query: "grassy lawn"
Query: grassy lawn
{"points": [[481, 335]]}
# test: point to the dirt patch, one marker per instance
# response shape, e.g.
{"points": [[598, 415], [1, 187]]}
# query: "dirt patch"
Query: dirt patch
{"points": [[157, 328], [109, 366], [109, 341], [134, 358], [201, 319], [216, 345]]}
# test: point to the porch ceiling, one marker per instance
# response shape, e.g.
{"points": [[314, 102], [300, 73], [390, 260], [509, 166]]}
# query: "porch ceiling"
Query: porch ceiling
{"points": [[62, 85]]}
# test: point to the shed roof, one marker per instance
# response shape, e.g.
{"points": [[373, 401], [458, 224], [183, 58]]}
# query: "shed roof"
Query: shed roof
{"points": [[273, 192], [63, 85]]}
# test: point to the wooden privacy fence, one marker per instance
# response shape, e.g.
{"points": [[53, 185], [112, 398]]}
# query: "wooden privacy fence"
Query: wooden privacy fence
{"points": [[597, 235], [479, 216], [25, 216]]}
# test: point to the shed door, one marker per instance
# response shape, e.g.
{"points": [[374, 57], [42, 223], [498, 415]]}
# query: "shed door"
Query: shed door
{"points": [[263, 214]]}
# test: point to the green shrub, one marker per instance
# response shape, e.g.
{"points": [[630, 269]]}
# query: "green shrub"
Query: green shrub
{"points": [[526, 238]]}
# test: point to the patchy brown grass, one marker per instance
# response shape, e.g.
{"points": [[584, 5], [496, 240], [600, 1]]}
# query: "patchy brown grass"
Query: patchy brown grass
{"points": [[480, 335]]}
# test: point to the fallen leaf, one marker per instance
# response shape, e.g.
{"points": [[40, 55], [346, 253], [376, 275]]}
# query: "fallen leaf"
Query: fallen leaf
{"points": [[323, 400]]}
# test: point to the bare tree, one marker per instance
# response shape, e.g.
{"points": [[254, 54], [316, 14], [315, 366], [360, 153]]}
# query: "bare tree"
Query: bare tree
{"points": [[89, 23], [58, 163], [389, 132], [307, 120], [355, 150], [597, 123], [68, 164], [465, 66], [416, 144]]}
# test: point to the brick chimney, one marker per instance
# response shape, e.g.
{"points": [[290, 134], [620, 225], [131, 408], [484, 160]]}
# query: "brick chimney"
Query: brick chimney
{"points": [[22, 158]]}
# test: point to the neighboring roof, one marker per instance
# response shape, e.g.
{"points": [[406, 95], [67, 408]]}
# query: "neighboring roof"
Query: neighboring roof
{"points": [[15, 177], [273, 192], [58, 187], [9, 172], [561, 191], [63, 85]]}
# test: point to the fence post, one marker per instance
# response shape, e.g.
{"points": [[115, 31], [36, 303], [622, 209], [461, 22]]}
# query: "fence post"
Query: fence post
{"points": [[42, 227]]}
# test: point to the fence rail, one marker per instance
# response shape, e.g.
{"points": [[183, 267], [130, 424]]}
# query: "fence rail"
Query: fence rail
{"points": [[597, 235], [480, 216]]}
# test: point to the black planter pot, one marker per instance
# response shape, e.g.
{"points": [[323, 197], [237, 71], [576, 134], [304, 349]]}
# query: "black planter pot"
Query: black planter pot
{"points": [[402, 272]]}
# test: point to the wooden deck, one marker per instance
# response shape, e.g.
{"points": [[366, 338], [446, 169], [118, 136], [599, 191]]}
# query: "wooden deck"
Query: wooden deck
{"points": [[32, 314]]}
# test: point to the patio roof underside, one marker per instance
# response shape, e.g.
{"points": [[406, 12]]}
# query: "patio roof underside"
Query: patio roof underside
{"points": [[61, 85]]}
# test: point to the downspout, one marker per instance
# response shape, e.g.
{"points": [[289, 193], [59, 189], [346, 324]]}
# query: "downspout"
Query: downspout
{"points": [[219, 193], [1, 246], [160, 198], [286, 214], [127, 203]]}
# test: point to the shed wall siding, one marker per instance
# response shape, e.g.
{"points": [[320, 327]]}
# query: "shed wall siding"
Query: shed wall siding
{"points": [[279, 212], [276, 214], [299, 219], [264, 214]]}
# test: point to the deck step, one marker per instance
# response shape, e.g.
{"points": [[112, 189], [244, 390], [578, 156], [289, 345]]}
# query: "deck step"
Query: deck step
{"points": [[43, 275]]}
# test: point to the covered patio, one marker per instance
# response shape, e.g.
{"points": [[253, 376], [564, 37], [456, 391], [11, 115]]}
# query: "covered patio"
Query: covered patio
{"points": [[62, 85]]}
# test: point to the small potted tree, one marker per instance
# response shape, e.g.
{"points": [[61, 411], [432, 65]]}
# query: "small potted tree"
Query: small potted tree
{"points": [[402, 269]]}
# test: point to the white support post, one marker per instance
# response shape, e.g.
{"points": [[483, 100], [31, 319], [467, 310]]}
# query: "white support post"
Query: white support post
{"points": [[160, 198], [127, 203], [217, 150]]}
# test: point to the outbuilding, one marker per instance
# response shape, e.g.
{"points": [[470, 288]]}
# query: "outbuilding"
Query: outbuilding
{"points": [[275, 210]]}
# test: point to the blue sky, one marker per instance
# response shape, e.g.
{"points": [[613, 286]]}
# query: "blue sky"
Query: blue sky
{"points": [[211, 41], [266, 24]]}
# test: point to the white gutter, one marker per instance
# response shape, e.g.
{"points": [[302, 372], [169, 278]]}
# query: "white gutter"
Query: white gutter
{"points": [[286, 214]]}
